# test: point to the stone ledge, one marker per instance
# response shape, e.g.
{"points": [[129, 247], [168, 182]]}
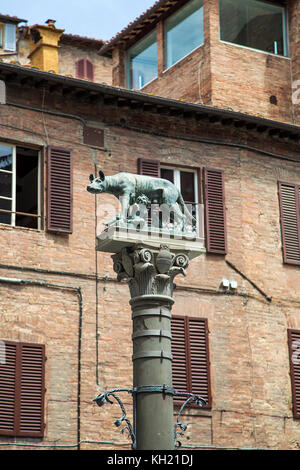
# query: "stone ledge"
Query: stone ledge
{"points": [[114, 239]]}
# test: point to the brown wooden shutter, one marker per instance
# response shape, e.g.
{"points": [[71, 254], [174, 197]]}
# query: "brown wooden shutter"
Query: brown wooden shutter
{"points": [[190, 367], [85, 69], [22, 390], [149, 167], [80, 69], [289, 202], [199, 358], [89, 70], [215, 211], [59, 191], [294, 349], [32, 390], [179, 353]]}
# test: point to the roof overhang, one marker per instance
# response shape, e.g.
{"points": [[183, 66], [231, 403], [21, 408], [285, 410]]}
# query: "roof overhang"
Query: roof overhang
{"points": [[11, 19], [80, 41], [14, 74], [140, 24], [146, 21]]}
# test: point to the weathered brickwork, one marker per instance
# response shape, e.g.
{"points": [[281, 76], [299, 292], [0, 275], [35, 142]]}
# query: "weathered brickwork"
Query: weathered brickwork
{"points": [[227, 75], [249, 362], [69, 55]]}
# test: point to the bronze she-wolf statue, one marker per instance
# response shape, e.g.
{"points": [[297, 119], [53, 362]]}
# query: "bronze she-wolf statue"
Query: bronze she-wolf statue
{"points": [[133, 189]]}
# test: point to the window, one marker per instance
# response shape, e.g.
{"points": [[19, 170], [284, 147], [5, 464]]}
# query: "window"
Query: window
{"points": [[289, 202], [188, 181], [85, 69], [294, 350], [22, 389], [8, 37], [190, 366], [254, 23], [142, 62], [19, 186], [1, 36], [184, 31]]}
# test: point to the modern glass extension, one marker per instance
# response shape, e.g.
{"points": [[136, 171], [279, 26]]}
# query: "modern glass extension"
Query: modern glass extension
{"points": [[142, 62], [254, 23], [184, 31]]}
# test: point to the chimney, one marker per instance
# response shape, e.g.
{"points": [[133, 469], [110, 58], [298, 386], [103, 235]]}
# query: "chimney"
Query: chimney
{"points": [[44, 46]]}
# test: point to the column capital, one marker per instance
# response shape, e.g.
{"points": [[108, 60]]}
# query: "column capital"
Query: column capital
{"points": [[149, 272]]}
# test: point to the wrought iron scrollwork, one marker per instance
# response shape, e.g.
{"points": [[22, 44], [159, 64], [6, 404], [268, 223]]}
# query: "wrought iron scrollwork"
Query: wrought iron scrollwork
{"points": [[191, 399], [103, 398]]}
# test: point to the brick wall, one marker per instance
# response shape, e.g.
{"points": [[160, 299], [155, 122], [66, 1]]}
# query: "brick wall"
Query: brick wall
{"points": [[247, 335], [69, 55], [227, 75]]}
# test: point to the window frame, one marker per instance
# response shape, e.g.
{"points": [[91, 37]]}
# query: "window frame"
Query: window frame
{"points": [[13, 211], [128, 74], [14, 50], [286, 51], [197, 186], [177, 169], [165, 41], [2, 28]]}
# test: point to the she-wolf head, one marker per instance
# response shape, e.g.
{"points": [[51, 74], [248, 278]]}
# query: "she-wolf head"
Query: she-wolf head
{"points": [[97, 184]]}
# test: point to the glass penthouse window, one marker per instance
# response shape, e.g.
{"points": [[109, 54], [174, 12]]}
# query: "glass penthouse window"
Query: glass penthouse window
{"points": [[254, 23], [184, 31], [142, 62]]}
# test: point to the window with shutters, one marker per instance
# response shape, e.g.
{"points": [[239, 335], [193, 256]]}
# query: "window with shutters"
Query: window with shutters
{"points": [[8, 37], [85, 69], [212, 213], [289, 202], [22, 388], [294, 350], [186, 180], [20, 186], [190, 366], [59, 191]]}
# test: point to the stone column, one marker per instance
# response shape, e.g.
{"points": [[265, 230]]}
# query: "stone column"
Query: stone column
{"points": [[150, 274]]}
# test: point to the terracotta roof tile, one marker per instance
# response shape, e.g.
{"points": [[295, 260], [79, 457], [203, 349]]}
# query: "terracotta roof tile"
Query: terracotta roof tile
{"points": [[12, 19], [75, 39], [135, 26]]}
